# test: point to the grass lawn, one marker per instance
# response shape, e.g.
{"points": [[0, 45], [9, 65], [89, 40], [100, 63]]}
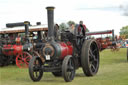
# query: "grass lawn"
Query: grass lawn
{"points": [[113, 70]]}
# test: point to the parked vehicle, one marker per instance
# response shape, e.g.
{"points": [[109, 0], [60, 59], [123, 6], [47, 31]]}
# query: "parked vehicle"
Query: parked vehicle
{"points": [[16, 45]]}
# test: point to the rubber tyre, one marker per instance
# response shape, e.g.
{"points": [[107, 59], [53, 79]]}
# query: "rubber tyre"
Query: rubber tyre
{"points": [[86, 60], [31, 69]]}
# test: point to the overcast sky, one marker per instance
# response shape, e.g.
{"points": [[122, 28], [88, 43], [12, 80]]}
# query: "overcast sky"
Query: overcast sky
{"points": [[97, 15]]}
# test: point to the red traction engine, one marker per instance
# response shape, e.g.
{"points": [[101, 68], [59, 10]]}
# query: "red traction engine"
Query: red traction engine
{"points": [[63, 57], [104, 43], [16, 53], [12, 50]]}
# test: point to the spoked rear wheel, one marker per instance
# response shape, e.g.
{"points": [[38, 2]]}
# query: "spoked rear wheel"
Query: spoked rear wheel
{"points": [[22, 59], [90, 58], [35, 70], [68, 69]]}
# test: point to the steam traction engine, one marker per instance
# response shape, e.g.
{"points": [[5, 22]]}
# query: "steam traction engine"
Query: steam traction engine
{"points": [[107, 42], [14, 51], [63, 57]]}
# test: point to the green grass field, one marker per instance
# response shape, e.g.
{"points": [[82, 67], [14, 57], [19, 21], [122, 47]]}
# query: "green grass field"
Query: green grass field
{"points": [[113, 70]]}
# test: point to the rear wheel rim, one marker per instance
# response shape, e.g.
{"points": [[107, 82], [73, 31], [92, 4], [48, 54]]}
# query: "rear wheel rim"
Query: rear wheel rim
{"points": [[93, 58], [90, 57]]}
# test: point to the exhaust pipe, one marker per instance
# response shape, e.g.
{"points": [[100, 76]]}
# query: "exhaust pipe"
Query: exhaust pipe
{"points": [[113, 35], [26, 24], [50, 16]]}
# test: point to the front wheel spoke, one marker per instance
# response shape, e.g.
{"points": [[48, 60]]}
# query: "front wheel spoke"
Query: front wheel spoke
{"points": [[20, 62], [36, 74], [36, 68], [70, 68], [28, 59], [70, 63], [94, 50], [93, 68], [24, 55], [90, 51], [68, 74], [26, 62], [95, 58], [20, 57], [91, 54]]}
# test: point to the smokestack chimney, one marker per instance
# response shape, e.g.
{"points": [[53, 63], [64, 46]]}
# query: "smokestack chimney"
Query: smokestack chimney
{"points": [[38, 23], [26, 24], [50, 14], [113, 36]]}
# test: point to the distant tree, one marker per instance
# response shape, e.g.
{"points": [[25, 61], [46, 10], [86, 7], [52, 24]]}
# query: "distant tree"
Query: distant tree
{"points": [[124, 31]]}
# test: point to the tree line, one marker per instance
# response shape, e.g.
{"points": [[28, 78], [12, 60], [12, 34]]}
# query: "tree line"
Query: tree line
{"points": [[124, 31]]}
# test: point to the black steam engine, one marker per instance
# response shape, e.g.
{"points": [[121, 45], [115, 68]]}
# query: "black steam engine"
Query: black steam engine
{"points": [[63, 57]]}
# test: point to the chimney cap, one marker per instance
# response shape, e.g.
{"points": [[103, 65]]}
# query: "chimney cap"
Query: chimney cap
{"points": [[50, 8], [26, 22]]}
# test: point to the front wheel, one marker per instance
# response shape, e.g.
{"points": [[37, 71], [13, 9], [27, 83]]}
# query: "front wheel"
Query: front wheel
{"points": [[68, 69], [35, 70], [90, 57], [22, 59]]}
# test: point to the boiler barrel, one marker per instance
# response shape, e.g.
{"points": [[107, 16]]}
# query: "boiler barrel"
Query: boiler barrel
{"points": [[65, 49], [57, 50]]}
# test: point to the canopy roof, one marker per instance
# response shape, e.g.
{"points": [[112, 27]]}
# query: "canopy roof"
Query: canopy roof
{"points": [[21, 29]]}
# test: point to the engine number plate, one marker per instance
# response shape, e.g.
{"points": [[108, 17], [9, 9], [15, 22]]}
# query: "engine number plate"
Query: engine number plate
{"points": [[47, 57]]}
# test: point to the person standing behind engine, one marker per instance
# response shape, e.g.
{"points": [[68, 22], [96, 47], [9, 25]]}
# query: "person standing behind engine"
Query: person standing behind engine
{"points": [[56, 32], [72, 28], [81, 28]]}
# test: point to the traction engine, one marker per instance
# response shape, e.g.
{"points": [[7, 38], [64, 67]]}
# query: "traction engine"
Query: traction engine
{"points": [[16, 52], [107, 42], [63, 57]]}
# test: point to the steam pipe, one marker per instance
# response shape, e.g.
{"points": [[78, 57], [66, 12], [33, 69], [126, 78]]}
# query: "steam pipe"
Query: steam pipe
{"points": [[99, 32], [50, 14]]}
